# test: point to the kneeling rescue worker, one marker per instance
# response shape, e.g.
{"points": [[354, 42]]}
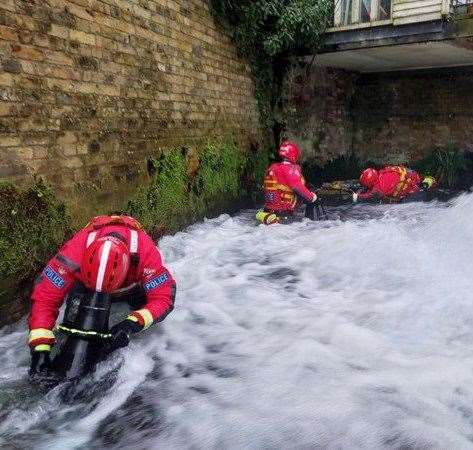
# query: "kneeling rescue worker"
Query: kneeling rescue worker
{"points": [[391, 183], [284, 188], [112, 254]]}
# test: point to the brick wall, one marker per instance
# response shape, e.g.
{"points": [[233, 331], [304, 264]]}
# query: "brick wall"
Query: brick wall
{"points": [[316, 106], [404, 116], [90, 88], [383, 118]]}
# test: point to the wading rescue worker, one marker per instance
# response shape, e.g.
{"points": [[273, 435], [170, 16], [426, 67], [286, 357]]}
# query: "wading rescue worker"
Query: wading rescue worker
{"points": [[285, 189], [391, 183], [112, 254]]}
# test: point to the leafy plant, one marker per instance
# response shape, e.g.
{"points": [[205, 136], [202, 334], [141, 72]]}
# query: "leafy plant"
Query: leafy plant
{"points": [[272, 28], [448, 164], [267, 31]]}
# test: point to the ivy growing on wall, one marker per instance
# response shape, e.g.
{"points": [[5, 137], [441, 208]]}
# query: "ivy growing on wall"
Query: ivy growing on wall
{"points": [[268, 32]]}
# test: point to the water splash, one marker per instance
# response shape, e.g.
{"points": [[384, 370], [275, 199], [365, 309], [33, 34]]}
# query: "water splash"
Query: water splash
{"points": [[349, 333]]}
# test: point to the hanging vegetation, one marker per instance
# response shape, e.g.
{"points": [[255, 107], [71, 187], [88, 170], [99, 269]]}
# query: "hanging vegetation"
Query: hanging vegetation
{"points": [[267, 32]]}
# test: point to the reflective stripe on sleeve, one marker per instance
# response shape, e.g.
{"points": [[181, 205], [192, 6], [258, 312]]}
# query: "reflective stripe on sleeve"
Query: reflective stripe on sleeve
{"points": [[41, 336], [43, 348], [145, 318]]}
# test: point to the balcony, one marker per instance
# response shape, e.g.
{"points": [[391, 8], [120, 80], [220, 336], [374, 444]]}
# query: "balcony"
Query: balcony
{"points": [[392, 35], [355, 14]]}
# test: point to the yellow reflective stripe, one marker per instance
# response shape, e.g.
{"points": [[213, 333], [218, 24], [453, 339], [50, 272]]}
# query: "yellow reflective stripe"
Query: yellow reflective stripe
{"points": [[133, 318], [402, 182], [43, 348], [40, 333], [271, 219], [146, 316], [290, 199], [273, 185], [266, 217], [284, 188], [83, 333]]}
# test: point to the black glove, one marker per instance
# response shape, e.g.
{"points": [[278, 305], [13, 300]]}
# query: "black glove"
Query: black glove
{"points": [[121, 333], [40, 362]]}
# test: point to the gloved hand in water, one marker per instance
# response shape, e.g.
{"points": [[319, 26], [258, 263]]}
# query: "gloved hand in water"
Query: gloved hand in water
{"points": [[121, 333], [310, 207], [40, 360]]}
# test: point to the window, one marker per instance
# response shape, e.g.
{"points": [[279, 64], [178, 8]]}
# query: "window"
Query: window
{"points": [[384, 9], [349, 12], [365, 11], [346, 12]]}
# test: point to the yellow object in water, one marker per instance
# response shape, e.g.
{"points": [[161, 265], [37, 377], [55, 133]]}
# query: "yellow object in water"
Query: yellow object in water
{"points": [[428, 182], [266, 217], [339, 185]]}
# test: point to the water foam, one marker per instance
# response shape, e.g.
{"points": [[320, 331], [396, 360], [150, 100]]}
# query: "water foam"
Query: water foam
{"points": [[339, 334]]}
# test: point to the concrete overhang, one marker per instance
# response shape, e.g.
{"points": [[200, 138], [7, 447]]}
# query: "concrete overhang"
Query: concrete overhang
{"points": [[388, 48], [423, 55]]}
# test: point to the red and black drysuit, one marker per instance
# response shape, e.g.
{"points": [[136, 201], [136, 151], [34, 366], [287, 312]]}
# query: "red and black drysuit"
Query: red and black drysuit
{"points": [[63, 272], [393, 183], [284, 185]]}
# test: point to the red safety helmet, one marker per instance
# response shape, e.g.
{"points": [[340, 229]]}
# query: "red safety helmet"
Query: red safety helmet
{"points": [[105, 264], [369, 177], [289, 151]]}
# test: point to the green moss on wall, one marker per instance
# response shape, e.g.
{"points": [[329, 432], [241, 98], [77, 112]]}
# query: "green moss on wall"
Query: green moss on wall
{"points": [[164, 202], [33, 223], [222, 177]]}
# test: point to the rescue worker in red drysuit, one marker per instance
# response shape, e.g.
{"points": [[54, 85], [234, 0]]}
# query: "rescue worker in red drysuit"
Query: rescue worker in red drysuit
{"points": [[391, 183], [284, 185], [111, 254]]}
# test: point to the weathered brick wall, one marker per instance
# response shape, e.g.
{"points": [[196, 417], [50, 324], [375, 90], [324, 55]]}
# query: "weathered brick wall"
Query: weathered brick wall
{"points": [[316, 110], [383, 118], [403, 117], [90, 88]]}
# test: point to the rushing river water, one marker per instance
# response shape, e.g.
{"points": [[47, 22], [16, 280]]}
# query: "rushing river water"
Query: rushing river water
{"points": [[355, 332]]}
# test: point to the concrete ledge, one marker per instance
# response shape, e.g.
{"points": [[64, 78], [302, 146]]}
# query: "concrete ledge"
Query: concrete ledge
{"points": [[385, 35], [434, 44]]}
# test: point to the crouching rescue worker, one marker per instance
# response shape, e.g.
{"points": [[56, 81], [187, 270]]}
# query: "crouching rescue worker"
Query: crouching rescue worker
{"points": [[285, 189], [111, 255], [393, 183]]}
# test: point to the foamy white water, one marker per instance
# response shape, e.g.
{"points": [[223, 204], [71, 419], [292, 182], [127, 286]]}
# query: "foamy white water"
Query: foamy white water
{"points": [[332, 335]]}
